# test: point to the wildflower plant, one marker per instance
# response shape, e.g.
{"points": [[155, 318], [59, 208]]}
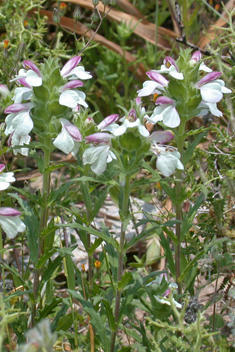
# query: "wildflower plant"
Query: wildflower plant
{"points": [[49, 112]]}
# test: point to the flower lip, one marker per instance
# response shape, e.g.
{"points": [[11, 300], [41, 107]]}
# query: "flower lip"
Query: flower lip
{"points": [[164, 100], [70, 65], [100, 137], [15, 108], [23, 82], [72, 84], [161, 137], [72, 130], [9, 212], [27, 64], [108, 121], [208, 78], [157, 77]]}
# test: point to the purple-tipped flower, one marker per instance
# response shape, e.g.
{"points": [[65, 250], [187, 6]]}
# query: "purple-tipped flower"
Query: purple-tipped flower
{"points": [[168, 159], [71, 71], [10, 222], [108, 121], [32, 76], [169, 66], [196, 57], [29, 65], [72, 98], [19, 120], [69, 138], [212, 88], [166, 112], [70, 65], [100, 137], [156, 85]]}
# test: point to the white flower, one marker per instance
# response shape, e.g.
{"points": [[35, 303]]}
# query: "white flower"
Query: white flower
{"points": [[19, 120], [117, 130], [22, 93], [169, 66], [168, 159], [10, 222], [156, 85], [72, 98], [19, 141], [32, 74], [6, 178], [68, 140], [212, 88], [212, 107], [166, 112], [98, 157], [72, 72], [196, 57]]}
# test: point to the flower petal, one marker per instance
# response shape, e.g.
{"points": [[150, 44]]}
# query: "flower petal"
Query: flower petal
{"points": [[97, 157]]}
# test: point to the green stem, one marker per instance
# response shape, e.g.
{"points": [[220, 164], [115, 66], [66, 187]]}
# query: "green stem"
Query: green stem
{"points": [[43, 225], [178, 207], [125, 211], [1, 257]]}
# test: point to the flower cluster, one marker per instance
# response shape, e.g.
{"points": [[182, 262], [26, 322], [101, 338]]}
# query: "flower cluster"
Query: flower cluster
{"points": [[43, 95], [176, 100]]}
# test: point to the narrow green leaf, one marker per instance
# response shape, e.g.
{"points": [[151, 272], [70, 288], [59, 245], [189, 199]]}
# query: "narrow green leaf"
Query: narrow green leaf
{"points": [[105, 236], [96, 321], [69, 271]]}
